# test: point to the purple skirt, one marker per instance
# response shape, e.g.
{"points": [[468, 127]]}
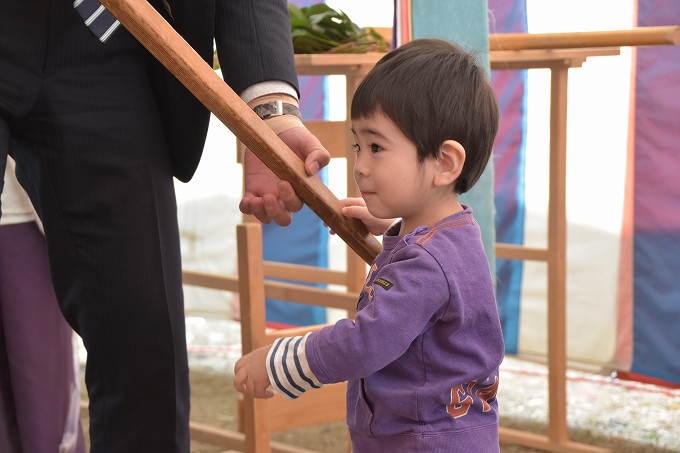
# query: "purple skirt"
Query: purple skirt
{"points": [[38, 378]]}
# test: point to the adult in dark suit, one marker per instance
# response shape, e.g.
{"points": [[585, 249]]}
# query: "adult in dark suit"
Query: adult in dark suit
{"points": [[100, 129]]}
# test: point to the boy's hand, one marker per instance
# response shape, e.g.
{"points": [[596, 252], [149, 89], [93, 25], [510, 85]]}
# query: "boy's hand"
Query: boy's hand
{"points": [[250, 374], [356, 207]]}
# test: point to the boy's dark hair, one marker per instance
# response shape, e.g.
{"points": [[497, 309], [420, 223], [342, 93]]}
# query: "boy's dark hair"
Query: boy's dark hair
{"points": [[434, 91]]}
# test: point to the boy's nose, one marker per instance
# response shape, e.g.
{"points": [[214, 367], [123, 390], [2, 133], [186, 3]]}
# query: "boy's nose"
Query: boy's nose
{"points": [[360, 167]]}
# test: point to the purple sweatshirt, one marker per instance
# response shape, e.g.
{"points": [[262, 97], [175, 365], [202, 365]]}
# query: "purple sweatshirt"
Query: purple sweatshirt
{"points": [[421, 357]]}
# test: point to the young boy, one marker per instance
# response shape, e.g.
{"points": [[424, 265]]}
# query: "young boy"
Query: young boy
{"points": [[421, 357]]}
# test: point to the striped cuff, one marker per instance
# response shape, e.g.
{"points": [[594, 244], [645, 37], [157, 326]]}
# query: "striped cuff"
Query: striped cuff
{"points": [[287, 366]]}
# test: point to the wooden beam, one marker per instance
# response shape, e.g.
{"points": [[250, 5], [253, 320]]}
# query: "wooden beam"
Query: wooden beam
{"points": [[284, 271], [311, 295], [514, 436], [520, 252], [209, 280], [324, 405], [276, 290], [303, 273], [640, 36], [557, 260], [233, 440]]}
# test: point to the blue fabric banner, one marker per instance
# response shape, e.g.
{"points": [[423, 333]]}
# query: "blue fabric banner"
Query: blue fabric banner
{"points": [[465, 23], [305, 240], [509, 155], [656, 242]]}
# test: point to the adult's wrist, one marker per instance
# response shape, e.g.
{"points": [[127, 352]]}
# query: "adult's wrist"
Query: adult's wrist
{"points": [[282, 123], [277, 107], [279, 111]]}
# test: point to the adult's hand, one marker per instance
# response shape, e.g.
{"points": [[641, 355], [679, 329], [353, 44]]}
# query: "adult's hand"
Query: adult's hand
{"points": [[266, 196]]}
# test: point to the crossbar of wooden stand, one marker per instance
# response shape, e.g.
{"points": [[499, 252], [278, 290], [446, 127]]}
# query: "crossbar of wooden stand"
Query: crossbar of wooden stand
{"points": [[640, 36]]}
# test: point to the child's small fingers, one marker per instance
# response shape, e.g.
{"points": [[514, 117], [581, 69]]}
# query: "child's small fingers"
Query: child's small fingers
{"points": [[265, 394], [262, 393], [354, 201], [240, 386], [358, 212]]}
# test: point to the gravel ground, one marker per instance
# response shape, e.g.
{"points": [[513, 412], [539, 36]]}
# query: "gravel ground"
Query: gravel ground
{"points": [[602, 410]]}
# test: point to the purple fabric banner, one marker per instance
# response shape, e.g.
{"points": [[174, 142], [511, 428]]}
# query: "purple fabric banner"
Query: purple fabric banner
{"points": [[312, 98], [509, 151], [656, 217]]}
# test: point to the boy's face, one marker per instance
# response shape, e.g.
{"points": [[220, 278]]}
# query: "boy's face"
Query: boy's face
{"points": [[391, 180]]}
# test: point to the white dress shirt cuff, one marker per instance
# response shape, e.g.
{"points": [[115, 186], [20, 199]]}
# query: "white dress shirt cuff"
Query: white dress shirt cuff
{"points": [[269, 87]]}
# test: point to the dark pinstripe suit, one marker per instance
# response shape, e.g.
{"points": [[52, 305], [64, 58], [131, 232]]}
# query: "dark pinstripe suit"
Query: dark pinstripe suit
{"points": [[98, 131]]}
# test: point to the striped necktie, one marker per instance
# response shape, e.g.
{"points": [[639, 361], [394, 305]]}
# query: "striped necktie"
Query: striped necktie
{"points": [[99, 20]]}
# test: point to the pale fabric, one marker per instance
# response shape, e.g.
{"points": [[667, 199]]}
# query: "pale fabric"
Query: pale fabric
{"points": [[265, 88], [69, 442], [16, 206]]}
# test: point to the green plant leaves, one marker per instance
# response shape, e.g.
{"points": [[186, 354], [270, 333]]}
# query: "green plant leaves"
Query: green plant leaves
{"points": [[321, 29]]}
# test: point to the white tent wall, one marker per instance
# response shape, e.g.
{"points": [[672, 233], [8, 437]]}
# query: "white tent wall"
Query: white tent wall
{"points": [[207, 211], [596, 152]]}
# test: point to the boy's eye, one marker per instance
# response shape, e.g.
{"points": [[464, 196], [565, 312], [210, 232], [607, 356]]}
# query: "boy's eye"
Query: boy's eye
{"points": [[375, 148]]}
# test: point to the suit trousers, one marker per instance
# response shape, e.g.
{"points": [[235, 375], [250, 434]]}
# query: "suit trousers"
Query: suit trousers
{"points": [[83, 125]]}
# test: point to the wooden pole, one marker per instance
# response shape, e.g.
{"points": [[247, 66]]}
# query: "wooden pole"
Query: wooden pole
{"points": [[642, 36], [150, 29]]}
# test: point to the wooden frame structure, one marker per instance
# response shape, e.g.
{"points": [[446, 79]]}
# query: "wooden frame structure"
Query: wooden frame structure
{"points": [[260, 417], [257, 417]]}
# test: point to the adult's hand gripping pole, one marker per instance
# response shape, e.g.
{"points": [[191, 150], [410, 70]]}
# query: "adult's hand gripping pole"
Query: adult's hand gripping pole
{"points": [[154, 33]]}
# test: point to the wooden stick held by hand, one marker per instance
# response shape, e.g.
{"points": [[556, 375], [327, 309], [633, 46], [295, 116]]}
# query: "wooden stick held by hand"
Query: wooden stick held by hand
{"points": [[154, 33]]}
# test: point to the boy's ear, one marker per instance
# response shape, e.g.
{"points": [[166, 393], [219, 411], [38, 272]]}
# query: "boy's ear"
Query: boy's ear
{"points": [[449, 164]]}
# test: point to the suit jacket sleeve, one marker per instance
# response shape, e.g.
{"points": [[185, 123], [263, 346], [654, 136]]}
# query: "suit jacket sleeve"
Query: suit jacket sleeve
{"points": [[254, 42]]}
